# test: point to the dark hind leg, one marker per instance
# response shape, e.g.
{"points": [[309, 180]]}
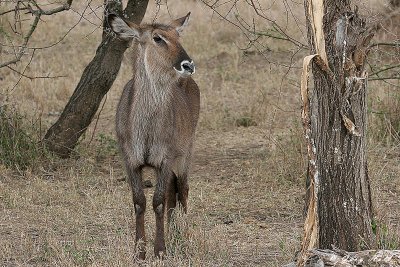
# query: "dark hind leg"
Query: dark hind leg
{"points": [[171, 196], [139, 201], [164, 175], [183, 191]]}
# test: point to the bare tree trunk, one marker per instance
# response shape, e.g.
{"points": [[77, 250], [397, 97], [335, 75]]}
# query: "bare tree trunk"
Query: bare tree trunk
{"points": [[95, 82], [339, 210]]}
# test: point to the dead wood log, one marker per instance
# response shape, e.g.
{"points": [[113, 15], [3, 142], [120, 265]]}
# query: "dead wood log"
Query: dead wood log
{"points": [[341, 258]]}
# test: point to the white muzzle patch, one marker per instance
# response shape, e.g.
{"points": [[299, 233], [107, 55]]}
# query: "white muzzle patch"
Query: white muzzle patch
{"points": [[187, 68]]}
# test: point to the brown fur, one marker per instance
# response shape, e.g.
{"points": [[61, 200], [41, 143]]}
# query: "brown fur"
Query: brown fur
{"points": [[155, 124]]}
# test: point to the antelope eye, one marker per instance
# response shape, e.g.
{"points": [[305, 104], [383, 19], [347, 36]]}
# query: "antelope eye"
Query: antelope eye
{"points": [[157, 39]]}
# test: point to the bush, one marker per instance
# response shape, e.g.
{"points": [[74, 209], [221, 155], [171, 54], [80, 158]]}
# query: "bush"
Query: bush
{"points": [[18, 148]]}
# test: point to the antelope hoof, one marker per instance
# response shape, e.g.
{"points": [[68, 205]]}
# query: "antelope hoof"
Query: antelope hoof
{"points": [[142, 255], [159, 250]]}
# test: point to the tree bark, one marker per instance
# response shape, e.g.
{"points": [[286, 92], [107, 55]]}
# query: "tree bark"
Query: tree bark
{"points": [[339, 209], [96, 80]]}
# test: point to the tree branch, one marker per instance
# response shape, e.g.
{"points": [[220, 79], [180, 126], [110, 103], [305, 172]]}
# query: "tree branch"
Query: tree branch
{"points": [[13, 10], [384, 78], [250, 29], [24, 44], [277, 27], [394, 44], [37, 13], [377, 26], [35, 77], [385, 69]]}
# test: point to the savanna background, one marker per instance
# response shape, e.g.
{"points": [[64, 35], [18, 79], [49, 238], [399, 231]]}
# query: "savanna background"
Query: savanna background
{"points": [[247, 180]]}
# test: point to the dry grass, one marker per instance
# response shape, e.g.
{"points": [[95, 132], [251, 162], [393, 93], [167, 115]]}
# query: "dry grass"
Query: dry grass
{"points": [[246, 185]]}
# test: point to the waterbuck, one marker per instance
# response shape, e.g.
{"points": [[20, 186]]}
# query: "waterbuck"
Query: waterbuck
{"points": [[156, 119]]}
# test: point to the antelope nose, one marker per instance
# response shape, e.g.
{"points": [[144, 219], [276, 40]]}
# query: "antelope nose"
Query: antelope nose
{"points": [[188, 67]]}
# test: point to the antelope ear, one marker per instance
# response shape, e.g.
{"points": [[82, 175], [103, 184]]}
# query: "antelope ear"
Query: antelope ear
{"points": [[180, 23], [124, 30]]}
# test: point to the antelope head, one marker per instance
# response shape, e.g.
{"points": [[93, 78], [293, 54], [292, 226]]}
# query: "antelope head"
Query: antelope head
{"points": [[159, 43]]}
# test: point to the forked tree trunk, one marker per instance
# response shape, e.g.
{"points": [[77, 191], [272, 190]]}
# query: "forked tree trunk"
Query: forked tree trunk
{"points": [[339, 208], [95, 82]]}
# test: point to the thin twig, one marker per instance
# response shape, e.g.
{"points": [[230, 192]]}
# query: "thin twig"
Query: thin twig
{"points": [[35, 77], [385, 69], [384, 78], [97, 119], [13, 10], [38, 12], [394, 44], [283, 32], [23, 72], [24, 45]]}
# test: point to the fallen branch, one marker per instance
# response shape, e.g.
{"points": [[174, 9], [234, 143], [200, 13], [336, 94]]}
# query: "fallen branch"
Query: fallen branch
{"points": [[340, 258], [365, 258]]}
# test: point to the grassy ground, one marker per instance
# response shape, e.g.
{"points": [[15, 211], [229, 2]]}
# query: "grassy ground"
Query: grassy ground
{"points": [[246, 184]]}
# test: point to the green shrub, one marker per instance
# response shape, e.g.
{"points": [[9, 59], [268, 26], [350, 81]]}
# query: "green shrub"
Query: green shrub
{"points": [[19, 149], [107, 146], [245, 121]]}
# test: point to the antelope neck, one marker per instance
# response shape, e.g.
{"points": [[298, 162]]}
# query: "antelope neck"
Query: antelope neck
{"points": [[151, 82]]}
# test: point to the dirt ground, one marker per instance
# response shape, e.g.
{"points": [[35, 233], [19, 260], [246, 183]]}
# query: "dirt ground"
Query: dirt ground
{"points": [[247, 184], [245, 209], [237, 216]]}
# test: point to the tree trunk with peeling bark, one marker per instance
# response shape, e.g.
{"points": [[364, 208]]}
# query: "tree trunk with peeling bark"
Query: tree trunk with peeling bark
{"points": [[96, 80], [339, 207]]}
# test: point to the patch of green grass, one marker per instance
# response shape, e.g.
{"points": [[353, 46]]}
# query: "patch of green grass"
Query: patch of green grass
{"points": [[20, 149], [80, 256], [107, 146], [245, 121], [386, 237], [2, 31]]}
